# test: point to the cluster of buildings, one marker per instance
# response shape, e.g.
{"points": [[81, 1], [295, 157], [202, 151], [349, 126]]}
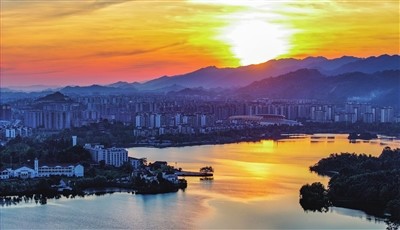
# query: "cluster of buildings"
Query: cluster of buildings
{"points": [[11, 129], [353, 112], [52, 116], [162, 114], [150, 173], [111, 156], [8, 131], [118, 156], [26, 172]]}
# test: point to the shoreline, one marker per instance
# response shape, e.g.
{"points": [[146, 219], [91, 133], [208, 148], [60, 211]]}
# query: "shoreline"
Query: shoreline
{"points": [[249, 140], [357, 181], [41, 198], [200, 143]]}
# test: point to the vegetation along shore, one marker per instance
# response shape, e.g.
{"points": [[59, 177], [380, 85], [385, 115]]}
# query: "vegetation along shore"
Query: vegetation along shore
{"points": [[356, 181]]}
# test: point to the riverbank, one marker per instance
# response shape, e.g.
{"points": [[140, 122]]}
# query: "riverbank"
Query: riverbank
{"points": [[119, 135], [250, 139], [40, 195]]}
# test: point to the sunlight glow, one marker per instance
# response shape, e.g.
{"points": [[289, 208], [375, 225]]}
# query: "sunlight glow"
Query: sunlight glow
{"points": [[146, 39], [267, 146], [256, 41]]}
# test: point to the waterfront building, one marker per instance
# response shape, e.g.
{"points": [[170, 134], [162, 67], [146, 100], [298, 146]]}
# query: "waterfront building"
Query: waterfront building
{"points": [[26, 172], [116, 156], [171, 177], [97, 152], [23, 172], [5, 174], [111, 156], [58, 170]]}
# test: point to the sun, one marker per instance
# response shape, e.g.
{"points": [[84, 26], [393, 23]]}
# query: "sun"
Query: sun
{"points": [[255, 41]]}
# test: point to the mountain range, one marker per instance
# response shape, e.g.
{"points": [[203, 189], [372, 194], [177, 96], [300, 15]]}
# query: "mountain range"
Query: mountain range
{"points": [[213, 77], [381, 87], [370, 79]]}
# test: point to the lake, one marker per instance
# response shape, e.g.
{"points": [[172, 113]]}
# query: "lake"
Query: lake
{"points": [[256, 185]]}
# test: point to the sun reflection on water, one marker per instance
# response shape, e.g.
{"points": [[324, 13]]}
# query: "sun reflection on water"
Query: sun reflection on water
{"points": [[249, 171]]}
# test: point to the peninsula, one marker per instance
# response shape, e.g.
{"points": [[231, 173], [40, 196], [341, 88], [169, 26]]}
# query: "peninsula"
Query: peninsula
{"points": [[361, 182]]}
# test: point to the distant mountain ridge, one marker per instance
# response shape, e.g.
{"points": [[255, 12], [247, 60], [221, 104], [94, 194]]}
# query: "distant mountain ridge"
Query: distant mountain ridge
{"points": [[213, 77], [370, 65], [381, 87], [284, 78]]}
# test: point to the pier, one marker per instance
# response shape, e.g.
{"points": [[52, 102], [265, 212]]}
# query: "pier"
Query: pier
{"points": [[198, 174]]}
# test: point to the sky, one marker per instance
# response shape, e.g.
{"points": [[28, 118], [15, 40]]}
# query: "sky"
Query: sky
{"points": [[75, 42]]}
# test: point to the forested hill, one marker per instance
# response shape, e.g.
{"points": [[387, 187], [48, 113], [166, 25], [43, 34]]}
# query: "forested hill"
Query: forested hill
{"points": [[363, 182], [351, 163]]}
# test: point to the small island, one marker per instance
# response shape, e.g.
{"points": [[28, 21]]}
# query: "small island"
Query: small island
{"points": [[362, 136], [363, 182]]}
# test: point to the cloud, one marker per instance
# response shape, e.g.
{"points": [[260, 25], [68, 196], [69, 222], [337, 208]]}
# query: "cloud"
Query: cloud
{"points": [[152, 64], [45, 72], [40, 10], [134, 52], [14, 71], [85, 8]]}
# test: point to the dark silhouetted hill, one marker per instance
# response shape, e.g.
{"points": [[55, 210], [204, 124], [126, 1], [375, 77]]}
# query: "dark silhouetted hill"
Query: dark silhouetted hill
{"points": [[213, 77], [96, 89], [54, 97], [370, 65], [380, 87]]}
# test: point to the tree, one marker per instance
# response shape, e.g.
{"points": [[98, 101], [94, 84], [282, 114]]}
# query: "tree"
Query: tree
{"points": [[314, 197]]}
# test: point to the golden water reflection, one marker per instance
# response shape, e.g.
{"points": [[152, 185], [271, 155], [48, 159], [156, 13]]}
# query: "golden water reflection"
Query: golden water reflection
{"points": [[251, 171]]}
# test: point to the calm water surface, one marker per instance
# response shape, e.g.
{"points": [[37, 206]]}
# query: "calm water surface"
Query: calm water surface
{"points": [[256, 185]]}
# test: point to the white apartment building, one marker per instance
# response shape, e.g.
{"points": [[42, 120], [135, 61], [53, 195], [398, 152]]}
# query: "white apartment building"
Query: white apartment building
{"points": [[111, 156]]}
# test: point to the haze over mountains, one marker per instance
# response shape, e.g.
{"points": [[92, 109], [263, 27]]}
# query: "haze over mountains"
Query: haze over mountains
{"points": [[380, 87], [369, 79]]}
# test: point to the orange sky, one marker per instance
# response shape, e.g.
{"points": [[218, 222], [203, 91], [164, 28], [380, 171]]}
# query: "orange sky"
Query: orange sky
{"points": [[87, 42]]}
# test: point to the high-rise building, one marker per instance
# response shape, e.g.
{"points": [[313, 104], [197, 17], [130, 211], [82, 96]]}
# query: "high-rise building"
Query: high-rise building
{"points": [[5, 112], [387, 114], [111, 156]]}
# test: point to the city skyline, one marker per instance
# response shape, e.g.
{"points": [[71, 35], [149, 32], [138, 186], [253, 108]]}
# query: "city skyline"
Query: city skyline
{"points": [[70, 43]]}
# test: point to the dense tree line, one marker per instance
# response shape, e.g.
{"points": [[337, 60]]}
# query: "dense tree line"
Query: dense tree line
{"points": [[115, 133], [351, 163], [28, 187], [20, 151], [363, 182], [104, 132]]}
